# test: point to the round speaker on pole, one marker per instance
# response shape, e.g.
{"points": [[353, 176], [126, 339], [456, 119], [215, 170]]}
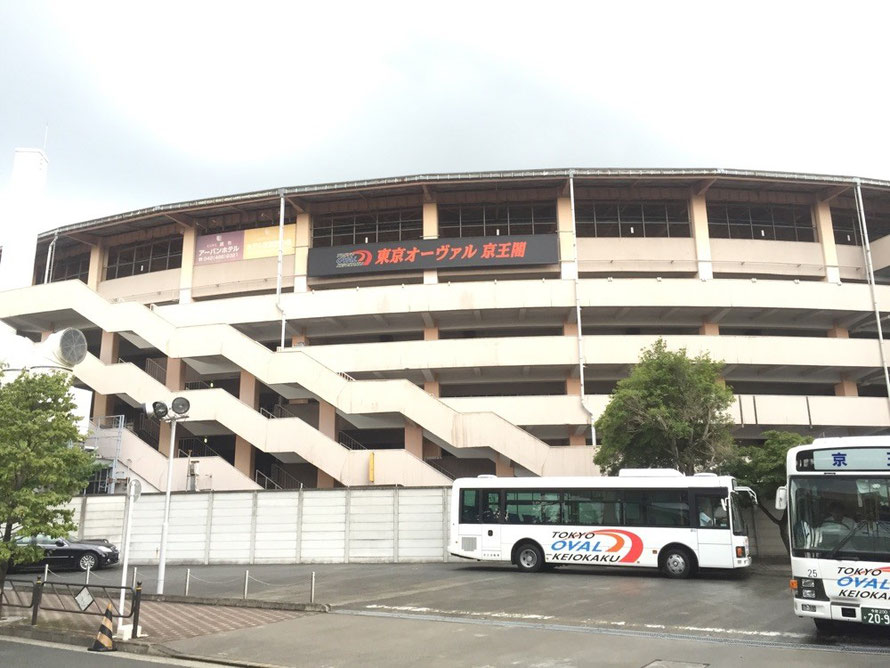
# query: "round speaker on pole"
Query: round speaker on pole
{"points": [[181, 405], [71, 347]]}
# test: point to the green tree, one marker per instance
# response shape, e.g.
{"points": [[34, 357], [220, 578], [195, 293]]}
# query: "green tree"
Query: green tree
{"points": [[762, 467], [41, 465], [670, 412]]}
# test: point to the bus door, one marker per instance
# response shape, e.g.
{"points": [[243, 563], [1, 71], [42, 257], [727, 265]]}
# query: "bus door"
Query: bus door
{"points": [[712, 519], [490, 516]]}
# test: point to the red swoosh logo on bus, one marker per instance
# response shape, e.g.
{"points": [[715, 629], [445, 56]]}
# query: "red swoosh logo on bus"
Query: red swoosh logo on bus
{"points": [[636, 544]]}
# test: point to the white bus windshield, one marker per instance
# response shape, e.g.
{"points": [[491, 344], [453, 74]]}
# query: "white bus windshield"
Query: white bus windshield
{"points": [[840, 517]]}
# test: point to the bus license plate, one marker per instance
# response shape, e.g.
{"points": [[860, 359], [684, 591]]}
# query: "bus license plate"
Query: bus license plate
{"points": [[876, 616]]}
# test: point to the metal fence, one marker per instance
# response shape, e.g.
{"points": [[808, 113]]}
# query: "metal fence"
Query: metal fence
{"points": [[72, 597]]}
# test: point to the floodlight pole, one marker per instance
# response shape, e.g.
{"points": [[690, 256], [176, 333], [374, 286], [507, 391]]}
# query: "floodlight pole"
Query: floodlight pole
{"points": [[165, 527]]}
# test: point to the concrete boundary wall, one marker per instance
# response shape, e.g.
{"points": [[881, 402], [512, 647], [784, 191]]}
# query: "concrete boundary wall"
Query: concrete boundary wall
{"points": [[379, 525], [357, 525]]}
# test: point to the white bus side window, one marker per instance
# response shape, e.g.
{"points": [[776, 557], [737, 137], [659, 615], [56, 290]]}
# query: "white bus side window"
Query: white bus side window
{"points": [[469, 506]]}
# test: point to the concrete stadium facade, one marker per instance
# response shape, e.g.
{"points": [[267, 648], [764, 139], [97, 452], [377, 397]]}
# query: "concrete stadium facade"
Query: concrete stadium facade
{"points": [[403, 331]]}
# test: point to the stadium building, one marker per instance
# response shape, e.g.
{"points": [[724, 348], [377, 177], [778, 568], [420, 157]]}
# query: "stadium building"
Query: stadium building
{"points": [[409, 330]]}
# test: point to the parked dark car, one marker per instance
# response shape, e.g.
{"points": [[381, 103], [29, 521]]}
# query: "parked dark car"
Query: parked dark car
{"points": [[64, 553]]}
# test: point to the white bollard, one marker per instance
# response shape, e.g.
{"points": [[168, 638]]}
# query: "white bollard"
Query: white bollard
{"points": [[135, 569], [45, 572], [87, 581], [246, 575], [312, 589], [188, 577]]}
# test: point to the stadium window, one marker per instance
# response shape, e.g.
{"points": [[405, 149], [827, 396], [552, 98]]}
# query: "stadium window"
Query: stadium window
{"points": [[496, 219], [632, 219], [845, 223], [371, 227], [781, 222], [144, 257], [75, 267]]}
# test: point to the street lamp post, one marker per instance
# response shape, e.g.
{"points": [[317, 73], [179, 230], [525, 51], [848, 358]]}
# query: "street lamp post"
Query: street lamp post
{"points": [[180, 407]]}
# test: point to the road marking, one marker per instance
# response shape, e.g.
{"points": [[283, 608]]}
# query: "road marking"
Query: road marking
{"points": [[592, 622], [643, 631], [421, 590], [496, 615]]}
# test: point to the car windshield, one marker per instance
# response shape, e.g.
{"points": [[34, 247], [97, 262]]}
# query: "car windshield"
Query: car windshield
{"points": [[841, 517]]}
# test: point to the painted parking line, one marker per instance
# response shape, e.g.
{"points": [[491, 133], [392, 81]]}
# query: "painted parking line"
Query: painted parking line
{"points": [[749, 638]]}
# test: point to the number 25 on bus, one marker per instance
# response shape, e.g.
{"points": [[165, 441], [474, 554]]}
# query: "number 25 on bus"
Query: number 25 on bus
{"points": [[838, 502], [655, 518]]}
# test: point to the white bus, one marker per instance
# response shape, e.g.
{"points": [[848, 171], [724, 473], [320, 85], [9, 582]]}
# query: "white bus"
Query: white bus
{"points": [[655, 518], [838, 502]]}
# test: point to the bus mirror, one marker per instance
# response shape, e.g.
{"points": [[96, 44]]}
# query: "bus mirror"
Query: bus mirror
{"points": [[781, 498]]}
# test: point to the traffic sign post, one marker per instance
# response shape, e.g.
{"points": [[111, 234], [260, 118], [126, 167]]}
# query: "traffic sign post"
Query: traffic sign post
{"points": [[134, 491]]}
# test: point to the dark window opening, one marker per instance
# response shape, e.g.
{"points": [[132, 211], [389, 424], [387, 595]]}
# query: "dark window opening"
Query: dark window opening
{"points": [[632, 219]]}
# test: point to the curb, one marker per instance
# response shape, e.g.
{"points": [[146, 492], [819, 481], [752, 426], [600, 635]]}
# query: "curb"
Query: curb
{"points": [[79, 638], [238, 603]]}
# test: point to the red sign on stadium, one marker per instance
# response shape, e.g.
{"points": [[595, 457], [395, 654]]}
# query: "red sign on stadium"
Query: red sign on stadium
{"points": [[502, 251]]}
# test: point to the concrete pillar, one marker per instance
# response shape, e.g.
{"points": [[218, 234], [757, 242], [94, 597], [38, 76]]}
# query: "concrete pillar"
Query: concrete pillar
{"points": [[245, 457], [431, 333], [414, 439], [249, 390], [838, 332], [846, 388], [175, 377], [698, 221], [568, 247], [245, 453], [709, 329], [573, 385], [432, 387], [109, 351], [431, 450], [503, 467], [299, 339], [187, 272], [430, 231], [97, 266], [825, 234], [109, 348], [301, 252], [327, 419], [570, 329], [577, 439], [324, 480]]}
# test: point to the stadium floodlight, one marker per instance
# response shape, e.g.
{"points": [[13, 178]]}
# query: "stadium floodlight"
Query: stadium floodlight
{"points": [[178, 410]]}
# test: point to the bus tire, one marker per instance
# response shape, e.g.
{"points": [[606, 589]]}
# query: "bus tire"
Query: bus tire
{"points": [[677, 562], [824, 626], [529, 557]]}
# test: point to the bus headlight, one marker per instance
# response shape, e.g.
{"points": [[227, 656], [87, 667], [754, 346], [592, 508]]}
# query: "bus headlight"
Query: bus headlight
{"points": [[807, 583], [809, 593]]}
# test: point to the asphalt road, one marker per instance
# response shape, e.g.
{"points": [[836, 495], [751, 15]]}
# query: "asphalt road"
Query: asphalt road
{"points": [[479, 614]]}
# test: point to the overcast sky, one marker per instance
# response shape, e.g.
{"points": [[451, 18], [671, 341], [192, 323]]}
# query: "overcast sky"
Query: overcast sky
{"points": [[150, 103]]}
